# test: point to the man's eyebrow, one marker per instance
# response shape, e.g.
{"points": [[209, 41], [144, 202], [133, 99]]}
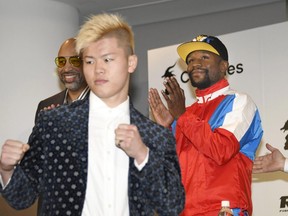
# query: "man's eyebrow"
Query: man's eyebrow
{"points": [[88, 56]]}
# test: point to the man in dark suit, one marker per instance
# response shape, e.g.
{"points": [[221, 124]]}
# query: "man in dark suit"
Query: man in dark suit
{"points": [[99, 155], [70, 72]]}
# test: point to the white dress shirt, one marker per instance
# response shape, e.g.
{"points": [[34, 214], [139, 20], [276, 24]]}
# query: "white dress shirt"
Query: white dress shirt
{"points": [[286, 166], [107, 186]]}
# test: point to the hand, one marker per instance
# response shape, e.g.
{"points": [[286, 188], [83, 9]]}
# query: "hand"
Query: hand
{"points": [[161, 114], [12, 152], [175, 98], [52, 106], [271, 162], [127, 138]]}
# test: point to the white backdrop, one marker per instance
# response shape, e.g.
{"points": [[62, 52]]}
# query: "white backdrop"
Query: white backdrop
{"points": [[258, 66], [31, 35]]}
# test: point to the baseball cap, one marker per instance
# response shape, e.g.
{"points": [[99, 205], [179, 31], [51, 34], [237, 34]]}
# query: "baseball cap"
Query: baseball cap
{"points": [[203, 42]]}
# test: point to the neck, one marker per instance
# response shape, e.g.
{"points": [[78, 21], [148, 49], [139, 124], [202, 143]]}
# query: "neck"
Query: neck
{"points": [[73, 95], [219, 85]]}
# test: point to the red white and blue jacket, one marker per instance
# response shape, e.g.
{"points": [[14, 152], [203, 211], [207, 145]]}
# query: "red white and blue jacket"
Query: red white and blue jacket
{"points": [[217, 138]]}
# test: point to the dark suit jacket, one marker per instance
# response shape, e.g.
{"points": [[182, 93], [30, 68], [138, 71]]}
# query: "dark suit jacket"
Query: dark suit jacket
{"points": [[55, 99], [56, 166]]}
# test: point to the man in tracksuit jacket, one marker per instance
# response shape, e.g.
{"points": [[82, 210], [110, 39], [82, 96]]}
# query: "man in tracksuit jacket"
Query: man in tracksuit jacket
{"points": [[217, 136]]}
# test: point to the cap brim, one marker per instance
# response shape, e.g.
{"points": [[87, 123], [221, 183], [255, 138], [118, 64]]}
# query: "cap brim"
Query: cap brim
{"points": [[186, 48]]}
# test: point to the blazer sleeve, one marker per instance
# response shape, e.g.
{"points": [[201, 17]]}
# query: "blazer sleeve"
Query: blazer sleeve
{"points": [[23, 188], [160, 179]]}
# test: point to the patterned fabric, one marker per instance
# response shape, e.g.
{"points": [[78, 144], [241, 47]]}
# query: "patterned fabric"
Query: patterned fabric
{"points": [[55, 99], [56, 166], [59, 98]]}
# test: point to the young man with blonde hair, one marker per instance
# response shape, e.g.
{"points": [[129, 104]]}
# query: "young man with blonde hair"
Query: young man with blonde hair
{"points": [[97, 156]]}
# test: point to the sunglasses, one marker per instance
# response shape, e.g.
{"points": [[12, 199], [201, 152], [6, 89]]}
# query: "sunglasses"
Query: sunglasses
{"points": [[61, 61]]}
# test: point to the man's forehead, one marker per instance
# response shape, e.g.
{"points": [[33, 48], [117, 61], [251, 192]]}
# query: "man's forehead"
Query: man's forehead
{"points": [[196, 52]]}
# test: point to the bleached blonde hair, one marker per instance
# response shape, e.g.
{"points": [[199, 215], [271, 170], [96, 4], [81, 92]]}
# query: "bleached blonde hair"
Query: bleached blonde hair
{"points": [[105, 24]]}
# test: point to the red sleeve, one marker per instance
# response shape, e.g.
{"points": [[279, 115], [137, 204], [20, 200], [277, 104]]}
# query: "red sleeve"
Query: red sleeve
{"points": [[220, 145]]}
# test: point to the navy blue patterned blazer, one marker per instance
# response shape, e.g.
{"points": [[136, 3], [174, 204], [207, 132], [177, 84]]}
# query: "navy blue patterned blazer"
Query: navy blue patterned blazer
{"points": [[54, 99], [56, 166]]}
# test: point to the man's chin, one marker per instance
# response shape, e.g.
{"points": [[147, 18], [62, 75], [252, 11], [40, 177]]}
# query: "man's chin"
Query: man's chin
{"points": [[201, 85], [71, 86]]}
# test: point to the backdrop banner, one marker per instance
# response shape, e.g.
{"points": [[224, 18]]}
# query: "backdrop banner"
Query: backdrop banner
{"points": [[257, 59]]}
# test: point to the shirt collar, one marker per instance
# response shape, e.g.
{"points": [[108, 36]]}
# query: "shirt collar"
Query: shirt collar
{"points": [[80, 97], [213, 91], [96, 104]]}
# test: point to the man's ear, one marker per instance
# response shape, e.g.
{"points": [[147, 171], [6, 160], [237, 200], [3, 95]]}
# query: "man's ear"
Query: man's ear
{"points": [[132, 63], [224, 66]]}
